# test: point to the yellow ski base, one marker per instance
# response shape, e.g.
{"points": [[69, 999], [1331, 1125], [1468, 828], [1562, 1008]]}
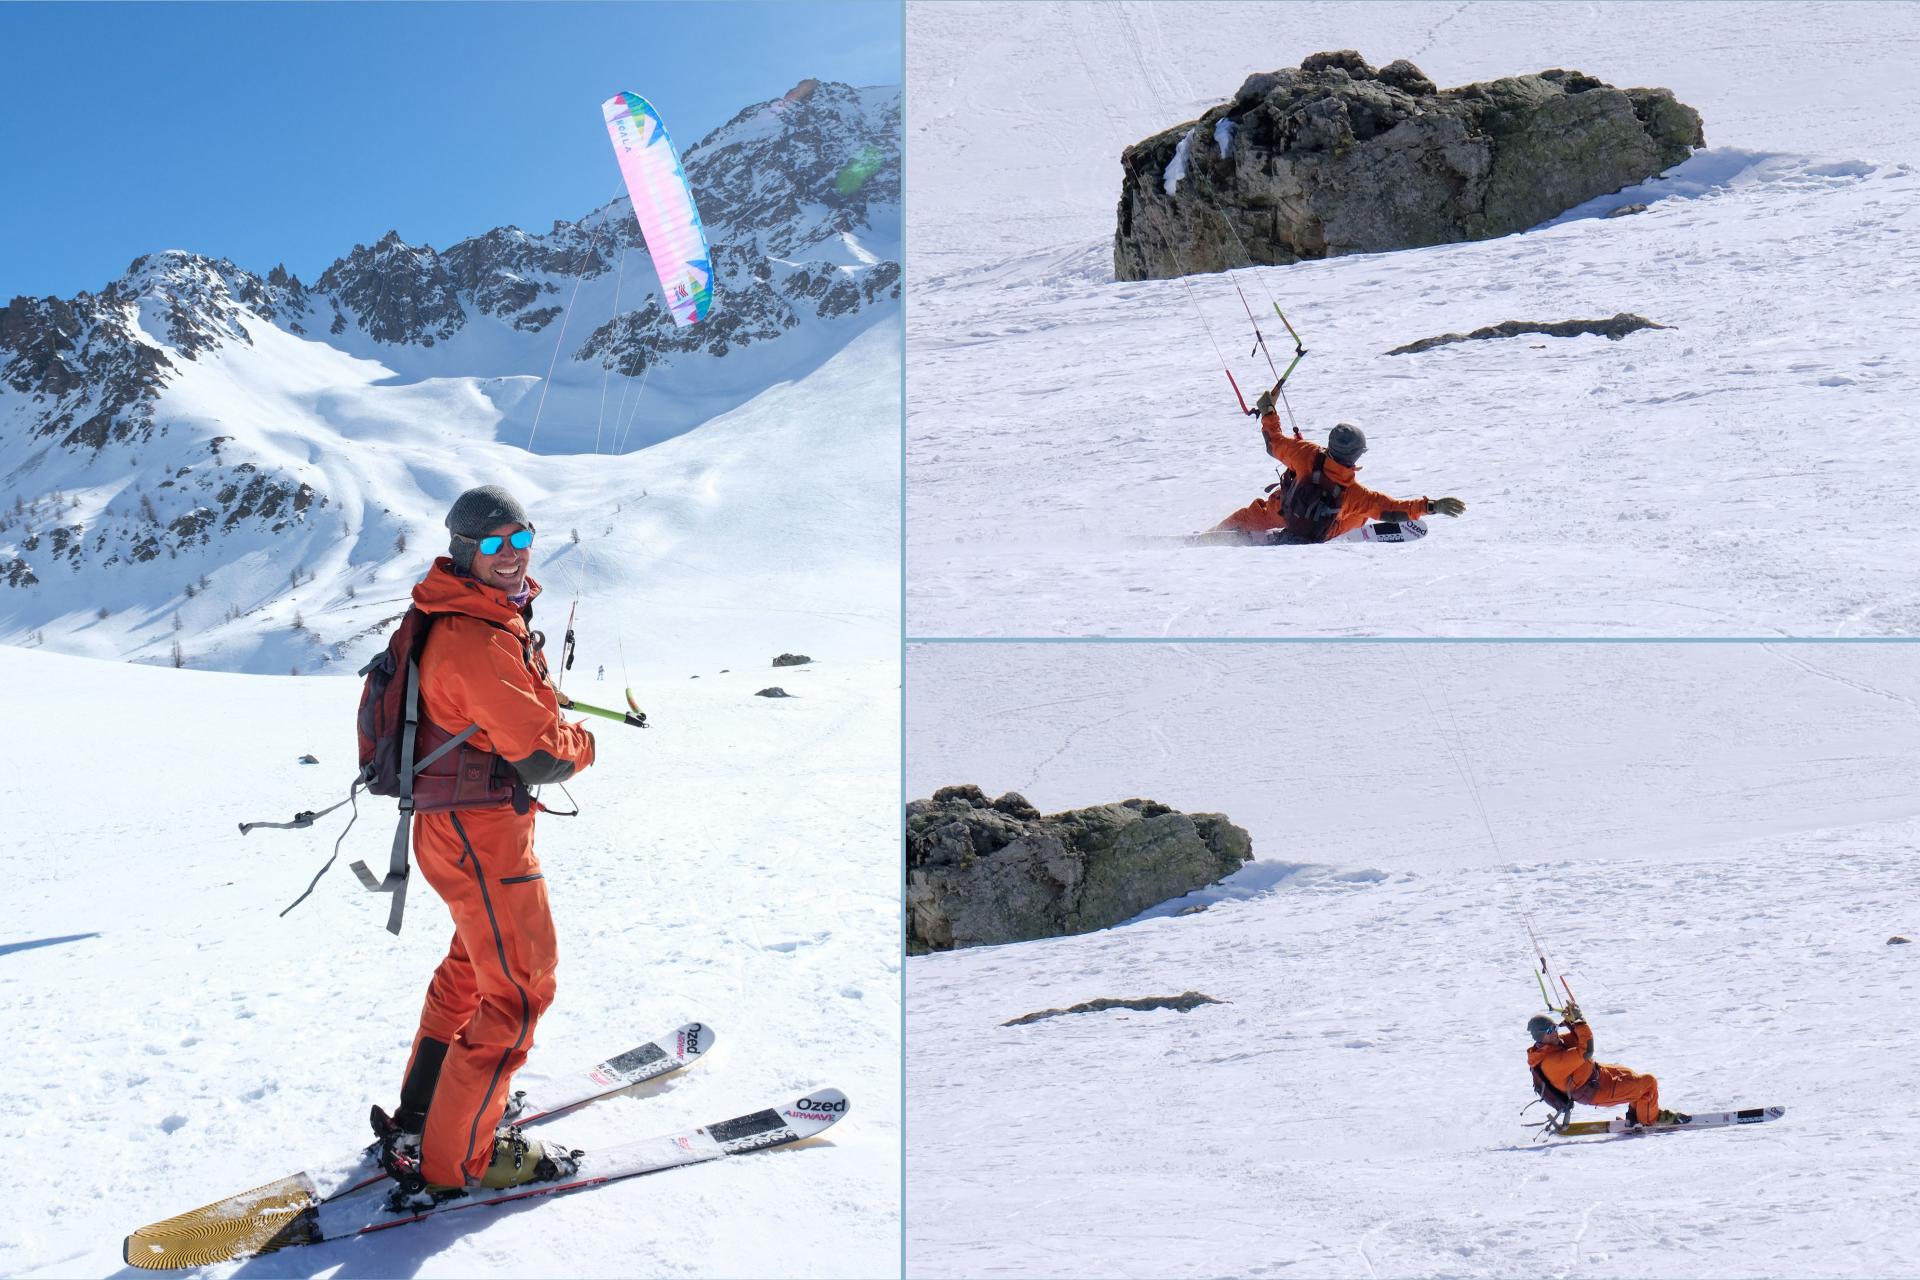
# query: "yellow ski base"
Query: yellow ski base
{"points": [[1579, 1127], [257, 1221]]}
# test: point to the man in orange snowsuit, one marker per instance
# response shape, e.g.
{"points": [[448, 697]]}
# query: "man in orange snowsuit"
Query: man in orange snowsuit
{"points": [[1319, 500], [1566, 1062], [482, 666]]}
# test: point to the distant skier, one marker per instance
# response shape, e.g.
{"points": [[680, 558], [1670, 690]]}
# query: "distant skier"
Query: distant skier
{"points": [[1564, 1072], [603, 672], [1317, 500], [482, 665]]}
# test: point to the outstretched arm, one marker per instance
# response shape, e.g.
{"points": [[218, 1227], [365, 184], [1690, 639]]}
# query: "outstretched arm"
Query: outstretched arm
{"points": [[1378, 506]]}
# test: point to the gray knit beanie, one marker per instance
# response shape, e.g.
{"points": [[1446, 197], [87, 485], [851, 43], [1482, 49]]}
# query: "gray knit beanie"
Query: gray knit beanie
{"points": [[476, 513]]}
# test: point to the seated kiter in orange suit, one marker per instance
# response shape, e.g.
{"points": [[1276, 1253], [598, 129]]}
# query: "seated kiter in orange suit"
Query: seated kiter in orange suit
{"points": [[1564, 1060], [1319, 500]]}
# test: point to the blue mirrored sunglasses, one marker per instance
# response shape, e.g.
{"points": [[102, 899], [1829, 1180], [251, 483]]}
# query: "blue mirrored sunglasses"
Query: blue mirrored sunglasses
{"points": [[490, 546]]}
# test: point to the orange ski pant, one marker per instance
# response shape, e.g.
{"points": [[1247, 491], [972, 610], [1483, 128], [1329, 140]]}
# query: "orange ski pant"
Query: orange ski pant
{"points": [[1617, 1086], [1257, 516], [494, 984]]}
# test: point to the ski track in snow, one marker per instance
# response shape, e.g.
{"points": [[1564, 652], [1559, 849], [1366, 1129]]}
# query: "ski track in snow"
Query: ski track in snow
{"points": [[1715, 844], [1740, 474]]}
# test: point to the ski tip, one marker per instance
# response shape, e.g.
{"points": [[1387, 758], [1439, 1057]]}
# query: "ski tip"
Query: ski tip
{"points": [[691, 1040], [816, 1111], [257, 1221]]}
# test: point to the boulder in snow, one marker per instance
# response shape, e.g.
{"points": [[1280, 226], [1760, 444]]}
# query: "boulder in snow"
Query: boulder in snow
{"points": [[1336, 157], [985, 871]]}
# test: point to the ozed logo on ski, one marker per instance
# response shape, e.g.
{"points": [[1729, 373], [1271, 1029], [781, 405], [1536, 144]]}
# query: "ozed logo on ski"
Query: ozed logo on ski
{"points": [[818, 1110], [690, 1040]]}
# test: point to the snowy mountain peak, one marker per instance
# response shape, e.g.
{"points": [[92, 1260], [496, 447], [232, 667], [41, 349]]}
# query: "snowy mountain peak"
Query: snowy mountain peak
{"points": [[201, 446], [398, 293], [796, 173]]}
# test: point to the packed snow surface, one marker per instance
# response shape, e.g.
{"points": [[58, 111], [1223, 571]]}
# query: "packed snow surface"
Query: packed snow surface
{"points": [[174, 1041], [1715, 843], [1744, 472]]}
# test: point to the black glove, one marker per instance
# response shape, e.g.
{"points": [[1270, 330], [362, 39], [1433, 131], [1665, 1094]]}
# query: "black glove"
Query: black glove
{"points": [[1571, 1014], [1264, 405], [1446, 506]]}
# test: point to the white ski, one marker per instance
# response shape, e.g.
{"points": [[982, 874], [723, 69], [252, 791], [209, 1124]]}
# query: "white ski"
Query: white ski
{"points": [[243, 1224], [1697, 1120]]}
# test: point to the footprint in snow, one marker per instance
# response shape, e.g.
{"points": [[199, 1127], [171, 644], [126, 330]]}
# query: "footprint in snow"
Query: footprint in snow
{"points": [[172, 1123]]}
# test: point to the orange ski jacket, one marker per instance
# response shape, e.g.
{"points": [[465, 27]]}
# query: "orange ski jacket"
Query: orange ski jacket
{"points": [[1358, 504], [481, 666], [1567, 1059]]}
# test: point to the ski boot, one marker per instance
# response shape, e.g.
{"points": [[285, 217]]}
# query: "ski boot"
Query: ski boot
{"points": [[397, 1148], [517, 1161], [1673, 1117]]}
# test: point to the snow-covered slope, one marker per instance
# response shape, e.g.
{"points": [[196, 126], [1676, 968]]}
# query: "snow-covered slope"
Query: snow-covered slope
{"points": [[171, 1040], [1716, 843], [201, 455], [1742, 473]]}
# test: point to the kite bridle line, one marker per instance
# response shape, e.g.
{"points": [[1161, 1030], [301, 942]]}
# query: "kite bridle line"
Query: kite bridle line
{"points": [[1259, 338], [1185, 284], [569, 644], [1260, 341], [1544, 974], [606, 370], [559, 338], [1463, 761], [579, 274]]}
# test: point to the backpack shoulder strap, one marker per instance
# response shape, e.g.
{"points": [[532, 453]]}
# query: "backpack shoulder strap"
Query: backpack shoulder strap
{"points": [[398, 867]]}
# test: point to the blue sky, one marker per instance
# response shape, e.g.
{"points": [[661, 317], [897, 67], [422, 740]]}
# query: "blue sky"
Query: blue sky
{"points": [[290, 132]]}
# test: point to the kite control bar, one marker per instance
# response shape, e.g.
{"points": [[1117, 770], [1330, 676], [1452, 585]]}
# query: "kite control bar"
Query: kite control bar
{"points": [[635, 717]]}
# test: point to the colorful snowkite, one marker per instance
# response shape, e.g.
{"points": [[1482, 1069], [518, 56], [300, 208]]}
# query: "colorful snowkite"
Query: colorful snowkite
{"points": [[663, 205]]}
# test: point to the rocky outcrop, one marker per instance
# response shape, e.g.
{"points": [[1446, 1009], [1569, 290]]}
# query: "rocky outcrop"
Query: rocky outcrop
{"points": [[988, 871], [398, 293], [1616, 328], [1185, 1002], [1337, 157]]}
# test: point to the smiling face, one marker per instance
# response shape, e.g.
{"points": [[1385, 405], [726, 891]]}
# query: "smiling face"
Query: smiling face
{"points": [[507, 567]]}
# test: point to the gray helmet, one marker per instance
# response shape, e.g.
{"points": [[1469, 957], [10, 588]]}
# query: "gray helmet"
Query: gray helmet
{"points": [[475, 513], [1540, 1027], [1345, 443]]}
